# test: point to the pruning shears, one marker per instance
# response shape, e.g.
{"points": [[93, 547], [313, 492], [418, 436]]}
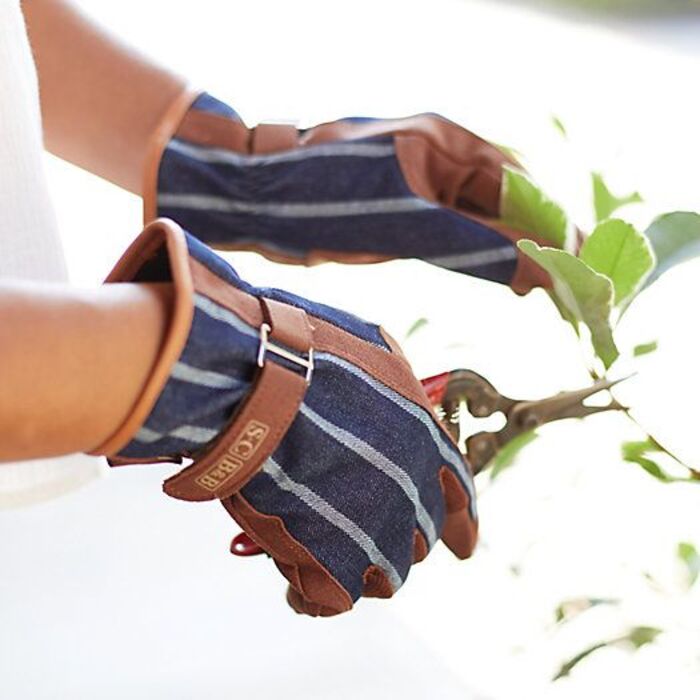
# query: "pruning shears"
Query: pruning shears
{"points": [[452, 392]]}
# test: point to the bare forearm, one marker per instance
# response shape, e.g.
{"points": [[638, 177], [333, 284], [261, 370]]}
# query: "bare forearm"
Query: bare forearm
{"points": [[100, 99], [73, 362]]}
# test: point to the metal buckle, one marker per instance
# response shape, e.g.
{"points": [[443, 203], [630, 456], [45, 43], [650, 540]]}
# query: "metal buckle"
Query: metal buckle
{"points": [[266, 345]]}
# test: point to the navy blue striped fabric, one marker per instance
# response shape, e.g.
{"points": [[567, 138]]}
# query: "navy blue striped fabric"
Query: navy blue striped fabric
{"points": [[214, 347], [349, 200], [356, 474]]}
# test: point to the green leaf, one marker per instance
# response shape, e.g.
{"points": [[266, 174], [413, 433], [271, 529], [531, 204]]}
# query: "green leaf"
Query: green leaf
{"points": [[585, 293], [637, 637], [526, 207], [506, 456], [559, 126], [688, 554], [568, 609], [641, 636], [639, 453], [675, 238], [605, 202], [568, 667], [645, 348], [618, 251], [417, 325], [636, 453], [565, 313]]}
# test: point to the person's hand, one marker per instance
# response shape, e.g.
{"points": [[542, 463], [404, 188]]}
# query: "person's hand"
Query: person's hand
{"points": [[312, 430], [354, 190]]}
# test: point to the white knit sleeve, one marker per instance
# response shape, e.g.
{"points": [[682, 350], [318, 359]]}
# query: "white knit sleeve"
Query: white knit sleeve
{"points": [[30, 247]]}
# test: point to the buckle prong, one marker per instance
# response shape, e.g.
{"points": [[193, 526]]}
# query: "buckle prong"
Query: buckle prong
{"points": [[267, 346]]}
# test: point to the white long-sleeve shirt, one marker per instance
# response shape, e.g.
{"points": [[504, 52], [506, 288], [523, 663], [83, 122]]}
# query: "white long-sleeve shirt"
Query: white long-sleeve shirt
{"points": [[30, 247]]}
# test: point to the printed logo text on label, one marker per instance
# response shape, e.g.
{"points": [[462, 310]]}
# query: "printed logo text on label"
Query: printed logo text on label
{"points": [[239, 452]]}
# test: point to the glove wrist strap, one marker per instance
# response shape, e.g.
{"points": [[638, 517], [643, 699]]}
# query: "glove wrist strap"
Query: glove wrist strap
{"points": [[264, 417]]}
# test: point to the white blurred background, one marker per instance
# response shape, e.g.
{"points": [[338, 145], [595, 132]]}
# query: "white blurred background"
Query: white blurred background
{"points": [[116, 591]]}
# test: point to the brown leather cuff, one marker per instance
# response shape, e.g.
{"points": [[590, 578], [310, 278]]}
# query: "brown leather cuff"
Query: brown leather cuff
{"points": [[160, 234], [165, 130]]}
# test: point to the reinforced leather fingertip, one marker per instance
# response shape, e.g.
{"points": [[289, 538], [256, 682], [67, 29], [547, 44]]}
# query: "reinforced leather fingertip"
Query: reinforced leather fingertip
{"points": [[420, 547], [376, 583], [460, 534], [305, 607], [322, 593], [460, 530]]}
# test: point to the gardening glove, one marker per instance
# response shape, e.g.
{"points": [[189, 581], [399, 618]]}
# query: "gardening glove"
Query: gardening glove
{"points": [[355, 190], [305, 421]]}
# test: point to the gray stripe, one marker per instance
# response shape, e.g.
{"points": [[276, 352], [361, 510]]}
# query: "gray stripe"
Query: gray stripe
{"points": [[335, 517], [219, 313], [193, 433], [295, 210], [465, 261], [190, 433], [447, 452], [203, 377], [381, 462], [147, 435], [321, 150]]}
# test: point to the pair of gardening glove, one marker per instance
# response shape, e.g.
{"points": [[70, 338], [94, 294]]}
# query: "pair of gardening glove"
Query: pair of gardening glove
{"points": [[306, 422]]}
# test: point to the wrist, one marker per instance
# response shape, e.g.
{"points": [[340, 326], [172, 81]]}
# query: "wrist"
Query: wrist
{"points": [[213, 396], [141, 263]]}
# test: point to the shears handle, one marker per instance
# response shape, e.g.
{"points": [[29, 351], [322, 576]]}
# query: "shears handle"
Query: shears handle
{"points": [[242, 545], [435, 387]]}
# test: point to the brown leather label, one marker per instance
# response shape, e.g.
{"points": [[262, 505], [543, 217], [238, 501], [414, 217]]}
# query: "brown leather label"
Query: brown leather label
{"points": [[240, 451]]}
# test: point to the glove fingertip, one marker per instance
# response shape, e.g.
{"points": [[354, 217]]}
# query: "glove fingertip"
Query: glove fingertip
{"points": [[376, 583], [460, 534], [460, 530], [306, 607], [420, 547]]}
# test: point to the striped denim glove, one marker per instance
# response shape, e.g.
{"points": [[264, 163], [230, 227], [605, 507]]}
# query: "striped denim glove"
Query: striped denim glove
{"points": [[306, 422], [354, 190]]}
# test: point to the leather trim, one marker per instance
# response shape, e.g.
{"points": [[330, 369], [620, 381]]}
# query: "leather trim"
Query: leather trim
{"points": [[376, 583], [154, 152], [289, 325], [473, 192], [207, 129], [318, 592], [528, 273], [271, 138], [422, 397], [459, 532], [472, 185], [159, 232], [452, 140], [420, 547]]}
